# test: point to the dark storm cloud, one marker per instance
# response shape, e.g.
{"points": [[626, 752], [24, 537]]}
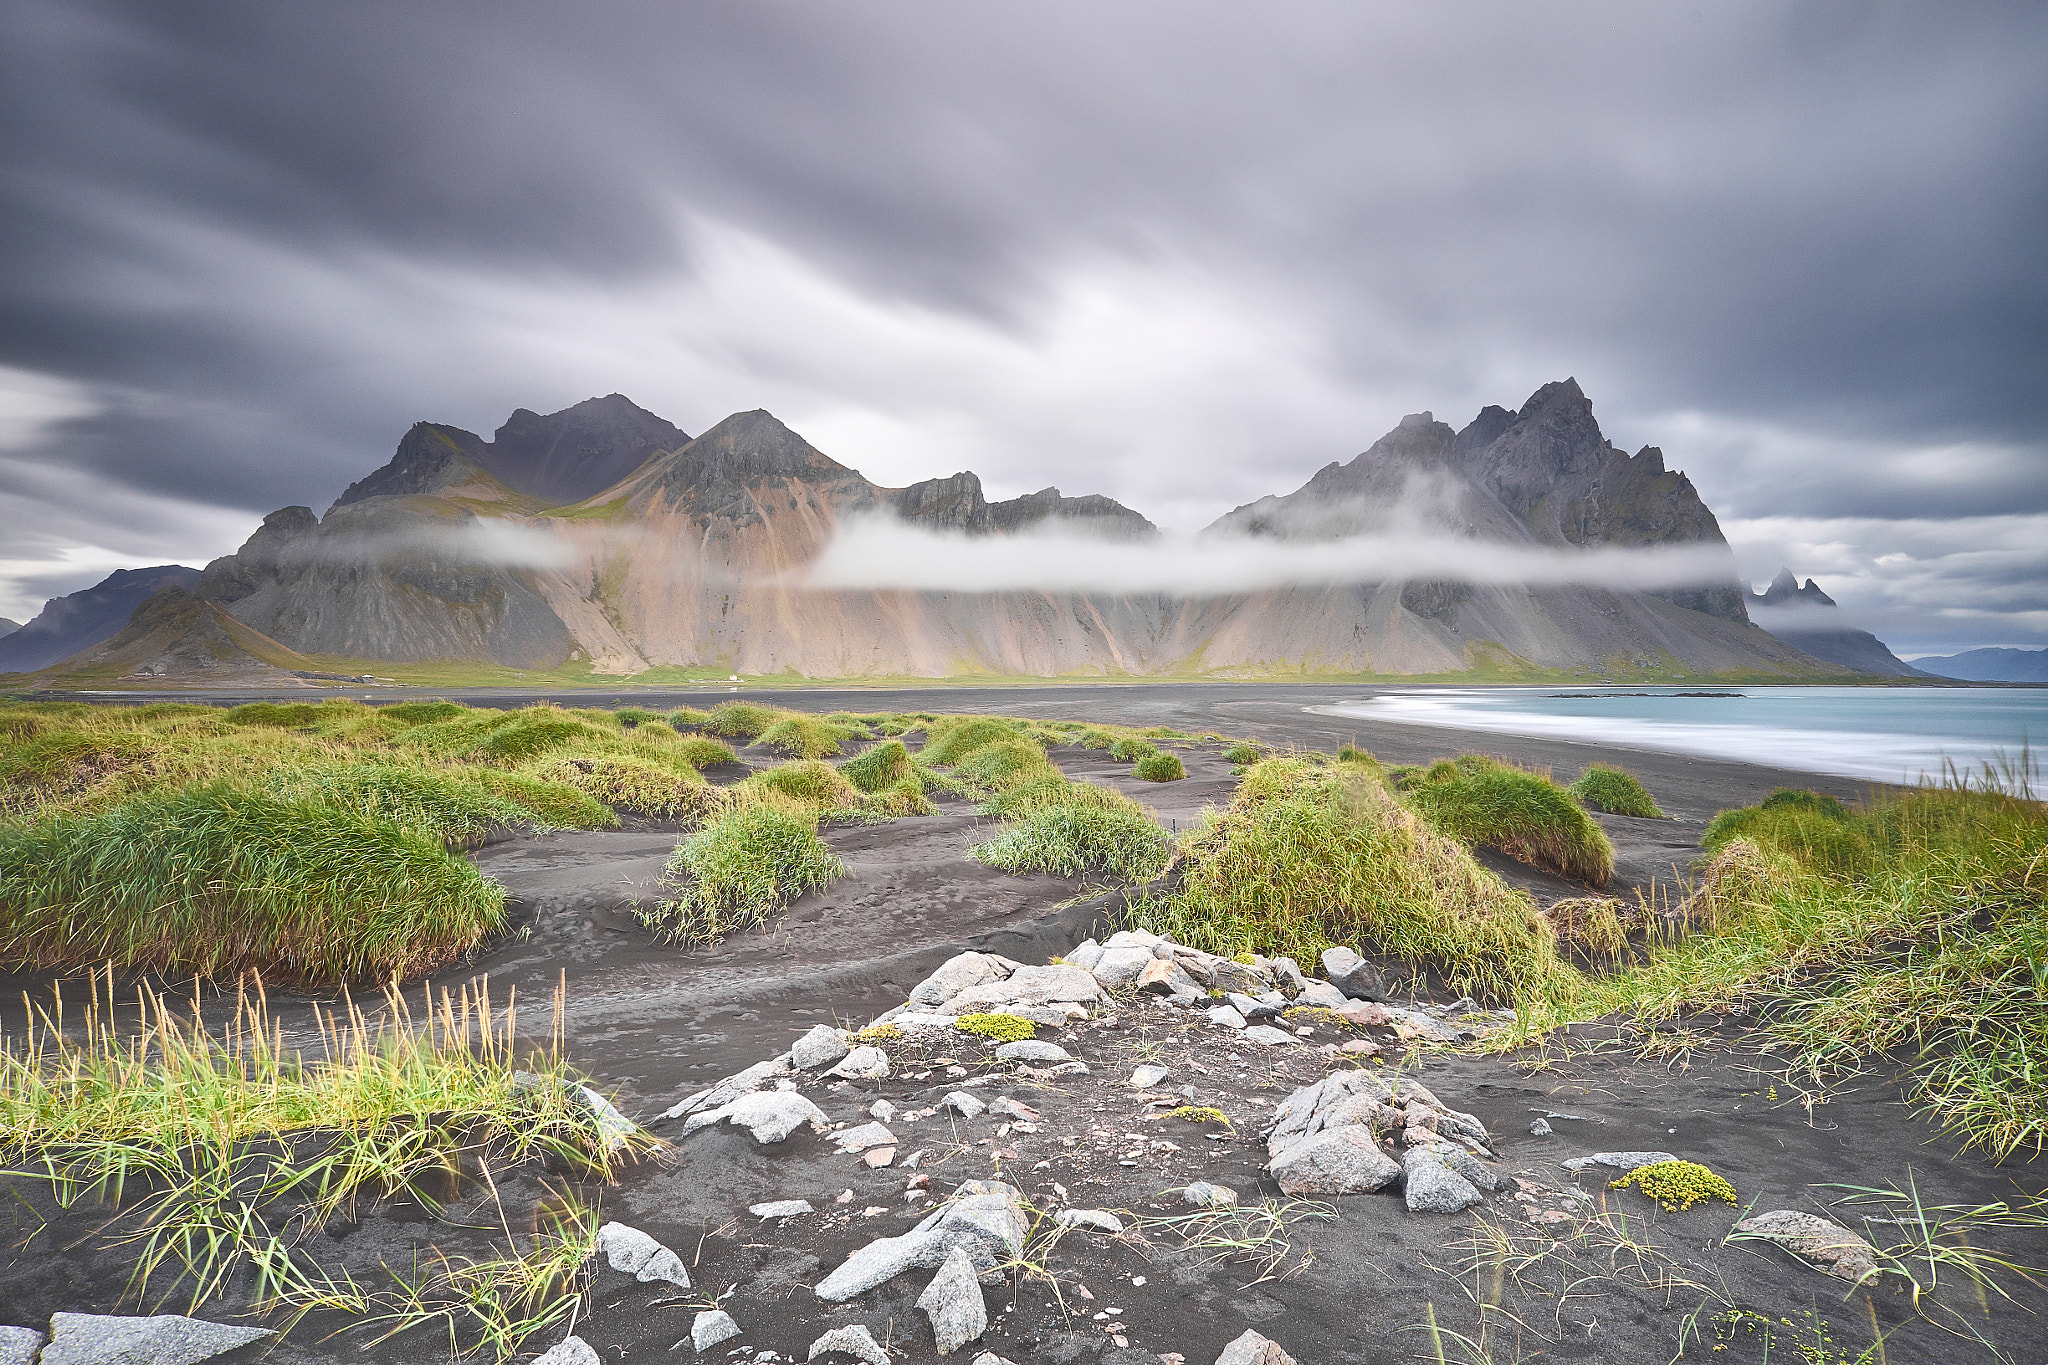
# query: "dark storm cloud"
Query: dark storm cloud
{"points": [[1795, 245]]}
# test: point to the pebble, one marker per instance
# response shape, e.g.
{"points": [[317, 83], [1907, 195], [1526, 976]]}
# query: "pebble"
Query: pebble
{"points": [[861, 1138], [634, 1252], [1205, 1195], [1253, 1349], [878, 1157], [1032, 1050], [1100, 1219], [1540, 1128], [1145, 1077], [963, 1104], [781, 1208], [570, 1351], [711, 1327], [882, 1111], [854, 1341]]}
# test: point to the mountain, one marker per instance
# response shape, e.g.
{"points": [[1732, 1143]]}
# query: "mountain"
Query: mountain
{"points": [[1990, 665], [695, 556], [1800, 617], [81, 619], [8, 627], [176, 636]]}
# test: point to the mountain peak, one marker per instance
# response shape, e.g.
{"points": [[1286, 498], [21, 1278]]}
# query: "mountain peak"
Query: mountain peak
{"points": [[567, 456]]}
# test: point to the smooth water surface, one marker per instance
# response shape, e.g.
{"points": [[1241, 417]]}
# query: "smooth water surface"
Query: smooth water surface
{"points": [[1893, 734]]}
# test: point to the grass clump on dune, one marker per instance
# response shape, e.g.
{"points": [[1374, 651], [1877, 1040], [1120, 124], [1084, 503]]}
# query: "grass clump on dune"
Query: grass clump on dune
{"points": [[795, 735], [1130, 749], [1523, 814], [740, 720], [1243, 755], [951, 738], [283, 715], [738, 870], [885, 765], [625, 782], [214, 880], [1615, 791], [701, 752], [459, 812], [1159, 767], [687, 718], [556, 803], [1108, 832], [1312, 854]]}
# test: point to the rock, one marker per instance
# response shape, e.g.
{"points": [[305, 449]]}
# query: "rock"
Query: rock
{"points": [[1253, 1349], [854, 1341], [1008, 1108], [18, 1345], [876, 1158], [863, 1064], [1417, 1024], [729, 1089], [1289, 973], [1367, 1015], [1032, 1050], [711, 1327], [990, 1358], [1433, 1187], [861, 1138], [1165, 977], [1323, 994], [1147, 1076], [569, 1351], [1226, 975], [1540, 1128], [1099, 1219], [1226, 1015], [982, 1216], [640, 1256], [1070, 1069], [963, 1104], [1343, 1161], [1620, 1161], [165, 1339], [781, 1208], [1270, 1036], [881, 1111], [822, 1046], [1027, 986], [958, 973], [1481, 1176], [1085, 956], [1252, 1008], [770, 1116], [1118, 967], [1360, 1047], [1825, 1245], [1205, 1195], [1353, 975], [954, 1304]]}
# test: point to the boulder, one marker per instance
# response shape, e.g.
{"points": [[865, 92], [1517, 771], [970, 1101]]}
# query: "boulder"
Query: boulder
{"points": [[1253, 1349], [1227, 1016], [1100, 1219], [1085, 956], [712, 1326], [1164, 977], [1032, 1050], [1825, 1245], [953, 1302], [1270, 1036], [1254, 1008], [1226, 975], [731, 1088], [1353, 975], [569, 1351], [164, 1339], [1119, 967], [1027, 986], [1341, 1161], [982, 1217], [854, 1341], [640, 1256], [861, 1138], [956, 974], [1432, 1186], [770, 1115], [822, 1046], [1324, 994], [863, 1064]]}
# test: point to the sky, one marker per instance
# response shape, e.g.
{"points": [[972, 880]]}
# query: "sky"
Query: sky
{"points": [[1180, 253]]}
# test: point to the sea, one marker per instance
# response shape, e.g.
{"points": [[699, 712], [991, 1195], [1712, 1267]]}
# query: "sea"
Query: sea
{"points": [[1891, 734]]}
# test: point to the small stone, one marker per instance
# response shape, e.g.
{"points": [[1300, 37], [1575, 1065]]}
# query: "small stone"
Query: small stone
{"points": [[1289, 972], [881, 1111], [1433, 1187], [1324, 994], [1252, 1007], [1267, 1034], [861, 1138], [854, 1341], [878, 1157], [1227, 1015], [1341, 1161], [1032, 1050], [1827, 1246], [1070, 1069], [953, 1302], [1145, 1077], [1620, 1161], [1253, 1349], [781, 1208], [863, 1064], [1100, 1219], [990, 1358], [569, 1351], [18, 1345], [963, 1104], [711, 1327], [1361, 1047], [822, 1046], [1540, 1128], [1009, 1108], [1205, 1195], [634, 1252]]}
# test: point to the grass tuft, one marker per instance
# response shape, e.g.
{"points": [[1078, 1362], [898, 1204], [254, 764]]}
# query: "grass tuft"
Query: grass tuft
{"points": [[1523, 814], [884, 766], [1159, 767], [738, 870], [1615, 791], [1077, 836], [740, 720]]}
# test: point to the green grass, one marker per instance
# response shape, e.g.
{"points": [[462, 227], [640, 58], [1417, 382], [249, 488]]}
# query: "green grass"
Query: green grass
{"points": [[701, 752], [739, 870], [689, 718], [1311, 854], [951, 738], [885, 765], [456, 809], [1159, 767], [1243, 755], [556, 803], [1523, 814], [216, 880], [740, 720], [283, 715], [796, 735], [627, 782], [1131, 748], [1615, 791], [1070, 838]]}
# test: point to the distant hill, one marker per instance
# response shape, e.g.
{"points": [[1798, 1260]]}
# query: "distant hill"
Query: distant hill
{"points": [[8, 627], [1991, 665], [81, 619], [1800, 617], [176, 636], [679, 552]]}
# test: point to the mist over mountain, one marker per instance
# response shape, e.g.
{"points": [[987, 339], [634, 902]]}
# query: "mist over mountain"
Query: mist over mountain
{"points": [[1806, 618], [603, 537]]}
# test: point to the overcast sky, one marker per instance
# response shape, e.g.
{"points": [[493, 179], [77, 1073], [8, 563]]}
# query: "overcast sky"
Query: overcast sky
{"points": [[1179, 253]]}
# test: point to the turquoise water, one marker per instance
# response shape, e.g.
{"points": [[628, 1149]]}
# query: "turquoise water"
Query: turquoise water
{"points": [[1892, 734]]}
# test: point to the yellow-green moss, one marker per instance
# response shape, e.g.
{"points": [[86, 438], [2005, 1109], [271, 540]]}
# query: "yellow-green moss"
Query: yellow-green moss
{"points": [[997, 1028], [1677, 1185]]}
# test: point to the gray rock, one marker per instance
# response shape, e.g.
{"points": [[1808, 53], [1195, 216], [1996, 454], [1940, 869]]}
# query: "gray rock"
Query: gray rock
{"points": [[1253, 1349], [982, 1216], [731, 1088], [1620, 1161], [1324, 994], [1100, 1219], [861, 1138], [1422, 1025], [165, 1339], [1008, 1108], [854, 1341], [863, 1064], [781, 1208], [1289, 973], [1252, 1008], [960, 972], [881, 1111], [963, 1104], [1226, 1015], [1270, 1036], [1032, 1050], [1085, 956], [953, 1302], [1226, 975], [1149, 1075], [712, 1326], [1432, 1186], [1353, 975], [990, 1358], [1341, 1161], [1540, 1128], [1205, 1195], [1165, 977], [770, 1115], [569, 1351], [1482, 1176], [1118, 968], [640, 1256], [18, 1345], [1825, 1245], [1070, 1069], [822, 1046]]}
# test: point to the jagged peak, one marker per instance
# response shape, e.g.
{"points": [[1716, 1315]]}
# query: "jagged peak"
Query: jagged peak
{"points": [[1651, 457], [1559, 393]]}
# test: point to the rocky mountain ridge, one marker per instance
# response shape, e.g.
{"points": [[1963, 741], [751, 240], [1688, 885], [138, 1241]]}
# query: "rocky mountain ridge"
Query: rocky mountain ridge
{"points": [[79, 620], [1799, 616]]}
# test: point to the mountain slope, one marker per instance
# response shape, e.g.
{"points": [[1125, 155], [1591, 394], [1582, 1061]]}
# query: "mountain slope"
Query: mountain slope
{"points": [[1990, 665], [1800, 617], [81, 619], [175, 635], [8, 626]]}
